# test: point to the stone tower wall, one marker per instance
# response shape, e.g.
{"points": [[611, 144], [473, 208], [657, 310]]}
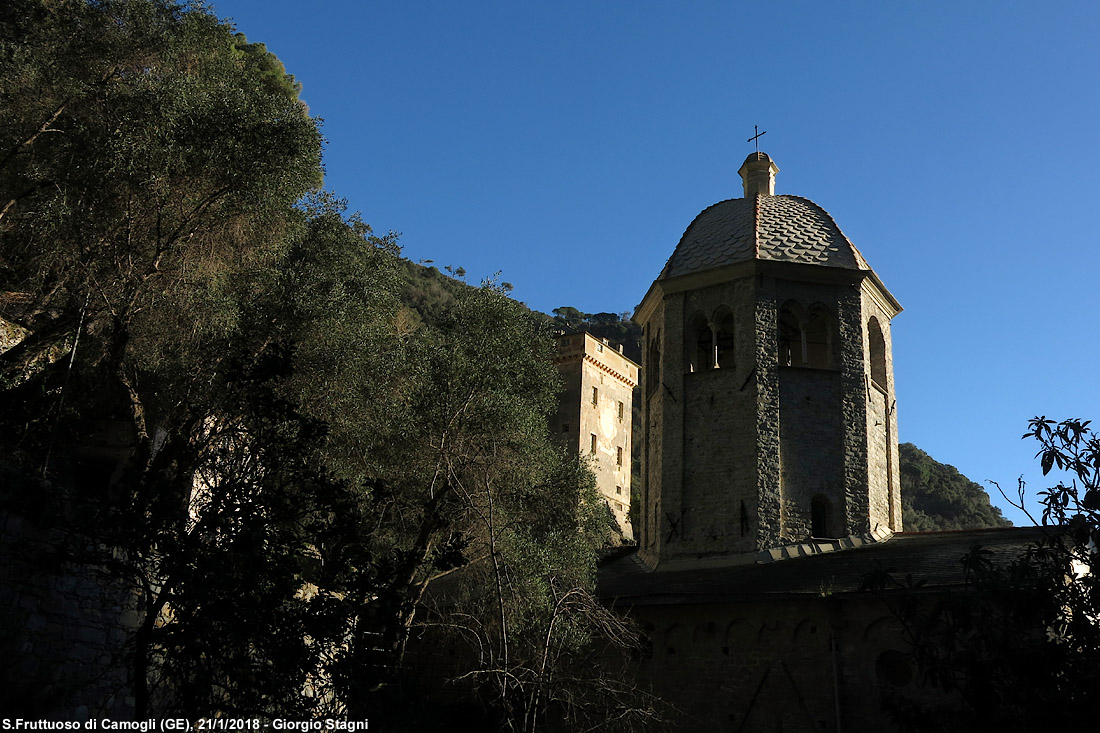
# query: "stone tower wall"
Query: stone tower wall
{"points": [[718, 473], [736, 456], [811, 450], [594, 416], [655, 502], [566, 425], [853, 371], [812, 428], [884, 480], [602, 419], [768, 470]]}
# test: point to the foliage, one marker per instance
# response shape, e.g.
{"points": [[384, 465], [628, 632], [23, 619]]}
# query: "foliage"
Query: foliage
{"points": [[937, 497], [615, 327], [1018, 647], [149, 162], [217, 400], [150, 165], [427, 292], [529, 620], [464, 477]]}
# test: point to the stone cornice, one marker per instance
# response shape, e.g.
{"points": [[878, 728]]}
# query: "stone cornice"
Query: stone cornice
{"points": [[605, 368], [578, 356], [774, 268]]}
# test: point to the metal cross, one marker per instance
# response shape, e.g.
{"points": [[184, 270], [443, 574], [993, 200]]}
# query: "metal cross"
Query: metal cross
{"points": [[756, 138]]}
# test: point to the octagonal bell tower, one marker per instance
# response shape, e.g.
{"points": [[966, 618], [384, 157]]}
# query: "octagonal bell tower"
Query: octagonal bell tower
{"points": [[767, 384]]}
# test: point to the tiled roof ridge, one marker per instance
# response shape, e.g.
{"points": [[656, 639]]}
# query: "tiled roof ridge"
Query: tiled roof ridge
{"points": [[756, 226]]}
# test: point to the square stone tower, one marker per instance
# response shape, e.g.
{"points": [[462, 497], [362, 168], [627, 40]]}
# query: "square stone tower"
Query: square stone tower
{"points": [[767, 384], [594, 415]]}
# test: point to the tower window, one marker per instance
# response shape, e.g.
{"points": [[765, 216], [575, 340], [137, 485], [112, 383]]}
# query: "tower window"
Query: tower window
{"points": [[723, 339], [618, 489], [595, 395], [817, 337], [620, 411], [704, 349], [824, 521], [699, 345], [593, 448], [619, 456], [805, 339], [790, 335], [877, 347], [818, 518]]}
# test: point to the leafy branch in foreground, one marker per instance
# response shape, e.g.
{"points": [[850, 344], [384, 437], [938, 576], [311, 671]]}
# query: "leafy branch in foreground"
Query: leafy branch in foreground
{"points": [[1017, 647]]}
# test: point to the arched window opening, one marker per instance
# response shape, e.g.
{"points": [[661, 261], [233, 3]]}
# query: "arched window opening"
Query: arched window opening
{"points": [[790, 336], [723, 345], [818, 338], [704, 349], [877, 348], [819, 517], [699, 345]]}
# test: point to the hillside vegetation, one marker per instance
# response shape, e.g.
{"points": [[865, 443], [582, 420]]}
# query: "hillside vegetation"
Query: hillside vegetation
{"points": [[936, 496]]}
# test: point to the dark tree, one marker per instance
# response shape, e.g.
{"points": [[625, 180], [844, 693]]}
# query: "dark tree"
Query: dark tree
{"points": [[1018, 647]]}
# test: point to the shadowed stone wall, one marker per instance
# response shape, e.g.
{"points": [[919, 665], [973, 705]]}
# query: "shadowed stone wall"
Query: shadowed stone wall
{"points": [[804, 665], [65, 632]]}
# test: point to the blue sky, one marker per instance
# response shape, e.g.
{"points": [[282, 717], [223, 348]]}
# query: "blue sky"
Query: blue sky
{"points": [[569, 144]]}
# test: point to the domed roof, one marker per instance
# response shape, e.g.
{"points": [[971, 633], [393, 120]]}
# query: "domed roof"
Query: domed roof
{"points": [[762, 227]]}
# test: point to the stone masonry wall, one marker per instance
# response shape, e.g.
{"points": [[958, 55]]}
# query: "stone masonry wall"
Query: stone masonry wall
{"points": [[612, 455], [734, 456], [63, 633], [808, 664], [597, 403], [811, 433], [853, 371], [719, 436], [653, 448], [769, 483], [812, 426], [884, 480]]}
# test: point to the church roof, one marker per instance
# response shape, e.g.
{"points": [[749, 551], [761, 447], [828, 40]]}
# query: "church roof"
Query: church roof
{"points": [[934, 557], [763, 227]]}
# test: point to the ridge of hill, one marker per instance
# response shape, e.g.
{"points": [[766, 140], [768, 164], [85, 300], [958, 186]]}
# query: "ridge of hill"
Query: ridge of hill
{"points": [[935, 496]]}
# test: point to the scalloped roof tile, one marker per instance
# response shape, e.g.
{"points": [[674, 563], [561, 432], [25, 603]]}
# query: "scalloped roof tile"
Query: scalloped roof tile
{"points": [[781, 228]]}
